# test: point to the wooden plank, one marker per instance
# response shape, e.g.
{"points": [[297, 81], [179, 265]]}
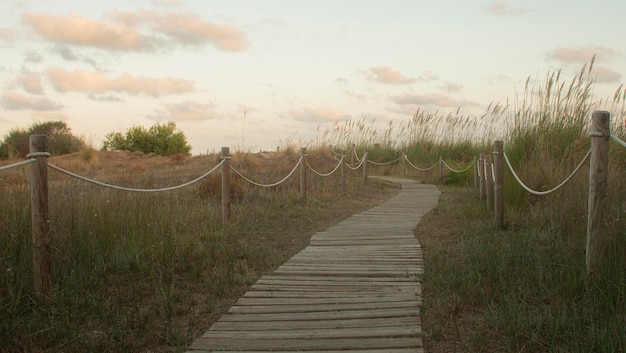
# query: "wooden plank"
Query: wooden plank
{"points": [[411, 321], [306, 344], [355, 287]]}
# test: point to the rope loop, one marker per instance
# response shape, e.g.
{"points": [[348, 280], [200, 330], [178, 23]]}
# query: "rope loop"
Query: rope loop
{"points": [[541, 193], [122, 188], [418, 168], [326, 174], [38, 154], [457, 171], [268, 185]]}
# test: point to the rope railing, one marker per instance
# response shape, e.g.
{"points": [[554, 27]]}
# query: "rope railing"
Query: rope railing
{"points": [[541, 193], [123, 188], [272, 184], [618, 140], [455, 170], [357, 166], [385, 163], [326, 174], [418, 168], [18, 164]]}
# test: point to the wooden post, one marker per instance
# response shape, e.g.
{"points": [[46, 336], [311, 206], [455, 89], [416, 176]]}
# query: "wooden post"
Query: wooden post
{"points": [[352, 154], [303, 174], [498, 188], [404, 164], [475, 173], [597, 204], [489, 183], [343, 170], [481, 170], [365, 168], [440, 169], [225, 157], [40, 220]]}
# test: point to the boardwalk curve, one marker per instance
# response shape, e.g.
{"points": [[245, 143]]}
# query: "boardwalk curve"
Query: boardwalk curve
{"points": [[356, 287]]}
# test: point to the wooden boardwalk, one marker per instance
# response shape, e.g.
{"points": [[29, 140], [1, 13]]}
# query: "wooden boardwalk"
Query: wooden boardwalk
{"points": [[355, 287]]}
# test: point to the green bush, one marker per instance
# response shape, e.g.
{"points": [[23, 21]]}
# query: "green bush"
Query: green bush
{"points": [[162, 139], [60, 140]]}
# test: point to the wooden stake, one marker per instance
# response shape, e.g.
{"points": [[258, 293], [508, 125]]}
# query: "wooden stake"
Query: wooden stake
{"points": [[498, 188], [303, 174], [40, 220], [597, 204], [225, 157]]}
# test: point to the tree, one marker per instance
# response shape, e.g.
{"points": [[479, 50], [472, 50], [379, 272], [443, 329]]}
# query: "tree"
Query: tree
{"points": [[60, 140], [162, 139]]}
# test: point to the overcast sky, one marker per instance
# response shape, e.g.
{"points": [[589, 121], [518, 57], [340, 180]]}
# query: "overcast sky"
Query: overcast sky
{"points": [[253, 74]]}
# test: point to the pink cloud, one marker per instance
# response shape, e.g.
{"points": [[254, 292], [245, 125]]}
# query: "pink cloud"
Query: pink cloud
{"points": [[436, 99], [75, 29], [31, 82], [185, 111], [503, 8], [451, 87], [165, 29], [606, 75], [318, 115], [388, 75], [17, 101], [98, 83], [581, 54]]}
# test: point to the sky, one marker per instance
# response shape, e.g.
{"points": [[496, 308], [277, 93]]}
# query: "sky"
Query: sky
{"points": [[257, 74]]}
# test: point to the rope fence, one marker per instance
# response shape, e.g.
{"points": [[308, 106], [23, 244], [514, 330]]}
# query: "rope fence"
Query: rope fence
{"points": [[491, 184]]}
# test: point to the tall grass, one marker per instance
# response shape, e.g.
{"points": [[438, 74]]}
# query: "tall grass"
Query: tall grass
{"points": [[149, 271], [525, 288]]}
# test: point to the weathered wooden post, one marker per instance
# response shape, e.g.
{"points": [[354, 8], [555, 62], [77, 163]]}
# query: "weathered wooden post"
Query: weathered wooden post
{"points": [[365, 168], [40, 220], [489, 183], [225, 157], [352, 153], [440, 169], [404, 164], [481, 172], [343, 170], [498, 189], [303, 174], [597, 204], [475, 173]]}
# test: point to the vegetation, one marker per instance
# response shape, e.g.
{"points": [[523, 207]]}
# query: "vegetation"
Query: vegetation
{"points": [[161, 139], [152, 271], [60, 140]]}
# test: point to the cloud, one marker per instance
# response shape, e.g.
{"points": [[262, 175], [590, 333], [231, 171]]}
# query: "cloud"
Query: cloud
{"points": [[436, 99], [388, 75], [340, 81], [581, 54], [66, 53], [98, 83], [317, 115], [31, 82], [503, 8], [105, 98], [451, 87], [606, 75], [165, 30], [33, 57], [17, 101], [190, 29], [74, 29], [185, 111], [7, 35]]}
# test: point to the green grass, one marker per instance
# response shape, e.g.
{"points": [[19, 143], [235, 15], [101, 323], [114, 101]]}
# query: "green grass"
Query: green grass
{"points": [[135, 271]]}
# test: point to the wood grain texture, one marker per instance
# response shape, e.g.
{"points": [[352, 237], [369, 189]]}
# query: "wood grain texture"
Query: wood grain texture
{"points": [[355, 287]]}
